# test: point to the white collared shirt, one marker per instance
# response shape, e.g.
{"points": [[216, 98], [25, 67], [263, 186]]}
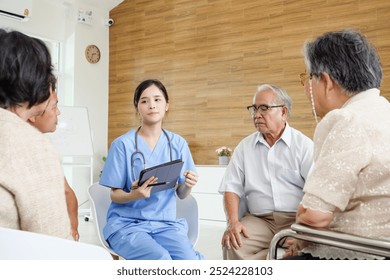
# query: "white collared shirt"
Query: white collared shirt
{"points": [[271, 178]]}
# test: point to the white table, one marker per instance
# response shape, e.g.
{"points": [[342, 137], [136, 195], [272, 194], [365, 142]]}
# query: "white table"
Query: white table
{"points": [[210, 202]]}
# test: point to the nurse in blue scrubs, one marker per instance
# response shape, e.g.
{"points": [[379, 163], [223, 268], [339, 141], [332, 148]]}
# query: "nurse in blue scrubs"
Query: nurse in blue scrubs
{"points": [[141, 225]]}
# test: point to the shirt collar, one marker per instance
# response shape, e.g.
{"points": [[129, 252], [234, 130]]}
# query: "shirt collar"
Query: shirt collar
{"points": [[286, 137], [362, 95]]}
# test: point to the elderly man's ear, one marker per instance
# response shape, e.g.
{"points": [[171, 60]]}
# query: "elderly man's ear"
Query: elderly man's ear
{"points": [[285, 112]]}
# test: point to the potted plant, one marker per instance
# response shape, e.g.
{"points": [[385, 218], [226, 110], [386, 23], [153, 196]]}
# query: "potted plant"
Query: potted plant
{"points": [[224, 154]]}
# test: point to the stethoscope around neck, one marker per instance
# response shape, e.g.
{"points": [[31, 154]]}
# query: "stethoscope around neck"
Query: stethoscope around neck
{"points": [[142, 155]]}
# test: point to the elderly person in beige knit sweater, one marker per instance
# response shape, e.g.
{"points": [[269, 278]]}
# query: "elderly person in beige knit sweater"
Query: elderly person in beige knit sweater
{"points": [[348, 189], [32, 196]]}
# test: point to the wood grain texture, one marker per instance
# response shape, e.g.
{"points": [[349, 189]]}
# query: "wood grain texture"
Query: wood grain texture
{"points": [[212, 54]]}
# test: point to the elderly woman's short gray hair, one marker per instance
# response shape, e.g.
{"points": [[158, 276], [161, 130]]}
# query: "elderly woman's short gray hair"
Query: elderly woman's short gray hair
{"points": [[348, 57]]}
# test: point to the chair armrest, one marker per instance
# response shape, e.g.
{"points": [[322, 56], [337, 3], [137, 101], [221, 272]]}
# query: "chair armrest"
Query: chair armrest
{"points": [[349, 238], [331, 238]]}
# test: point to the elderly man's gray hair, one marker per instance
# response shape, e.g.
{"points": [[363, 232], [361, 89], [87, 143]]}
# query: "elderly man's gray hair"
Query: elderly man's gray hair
{"points": [[281, 96]]}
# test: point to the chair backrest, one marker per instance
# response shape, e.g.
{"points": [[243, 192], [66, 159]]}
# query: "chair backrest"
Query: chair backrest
{"points": [[25, 245], [242, 207], [100, 201], [188, 208]]}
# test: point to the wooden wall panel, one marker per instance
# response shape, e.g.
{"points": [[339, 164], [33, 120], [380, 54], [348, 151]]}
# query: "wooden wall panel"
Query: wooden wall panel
{"points": [[212, 54]]}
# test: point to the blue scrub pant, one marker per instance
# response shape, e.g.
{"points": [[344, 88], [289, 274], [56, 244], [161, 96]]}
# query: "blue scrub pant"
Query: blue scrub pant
{"points": [[151, 240]]}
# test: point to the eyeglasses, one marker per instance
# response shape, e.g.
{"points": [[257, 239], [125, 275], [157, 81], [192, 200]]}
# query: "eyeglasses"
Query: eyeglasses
{"points": [[304, 77], [263, 108]]}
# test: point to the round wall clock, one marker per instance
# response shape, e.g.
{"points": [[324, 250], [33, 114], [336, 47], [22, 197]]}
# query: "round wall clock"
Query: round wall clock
{"points": [[92, 54]]}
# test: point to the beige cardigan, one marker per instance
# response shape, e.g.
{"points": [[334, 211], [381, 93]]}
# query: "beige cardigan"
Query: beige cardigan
{"points": [[351, 174], [32, 192]]}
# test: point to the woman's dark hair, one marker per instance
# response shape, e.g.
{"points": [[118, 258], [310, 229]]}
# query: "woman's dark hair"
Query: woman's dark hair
{"points": [[25, 69], [52, 82], [144, 85]]}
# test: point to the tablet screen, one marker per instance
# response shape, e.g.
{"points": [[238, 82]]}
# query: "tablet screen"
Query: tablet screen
{"points": [[167, 173]]}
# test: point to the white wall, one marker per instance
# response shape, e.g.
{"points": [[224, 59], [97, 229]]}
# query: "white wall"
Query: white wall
{"points": [[80, 83]]}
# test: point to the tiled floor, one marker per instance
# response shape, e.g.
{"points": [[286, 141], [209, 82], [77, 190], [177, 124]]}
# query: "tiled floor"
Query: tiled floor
{"points": [[209, 242]]}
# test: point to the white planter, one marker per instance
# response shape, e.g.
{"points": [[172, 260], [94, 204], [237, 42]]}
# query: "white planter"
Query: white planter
{"points": [[223, 160]]}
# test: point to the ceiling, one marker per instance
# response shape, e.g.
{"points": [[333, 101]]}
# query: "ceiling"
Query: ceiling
{"points": [[105, 4]]}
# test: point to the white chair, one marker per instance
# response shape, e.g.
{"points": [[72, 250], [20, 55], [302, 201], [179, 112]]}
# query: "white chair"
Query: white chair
{"points": [[242, 208], [188, 208], [100, 199], [330, 238], [25, 245]]}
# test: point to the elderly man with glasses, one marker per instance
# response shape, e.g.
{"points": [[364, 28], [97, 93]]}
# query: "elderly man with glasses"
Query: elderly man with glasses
{"points": [[267, 172]]}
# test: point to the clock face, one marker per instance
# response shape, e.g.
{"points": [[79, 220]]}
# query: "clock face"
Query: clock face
{"points": [[92, 53]]}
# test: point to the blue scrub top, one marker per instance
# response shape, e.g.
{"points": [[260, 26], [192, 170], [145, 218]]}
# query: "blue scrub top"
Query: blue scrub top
{"points": [[120, 172]]}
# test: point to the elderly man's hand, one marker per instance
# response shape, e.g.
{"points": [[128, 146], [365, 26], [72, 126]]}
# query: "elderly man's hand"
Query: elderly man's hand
{"points": [[232, 235]]}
